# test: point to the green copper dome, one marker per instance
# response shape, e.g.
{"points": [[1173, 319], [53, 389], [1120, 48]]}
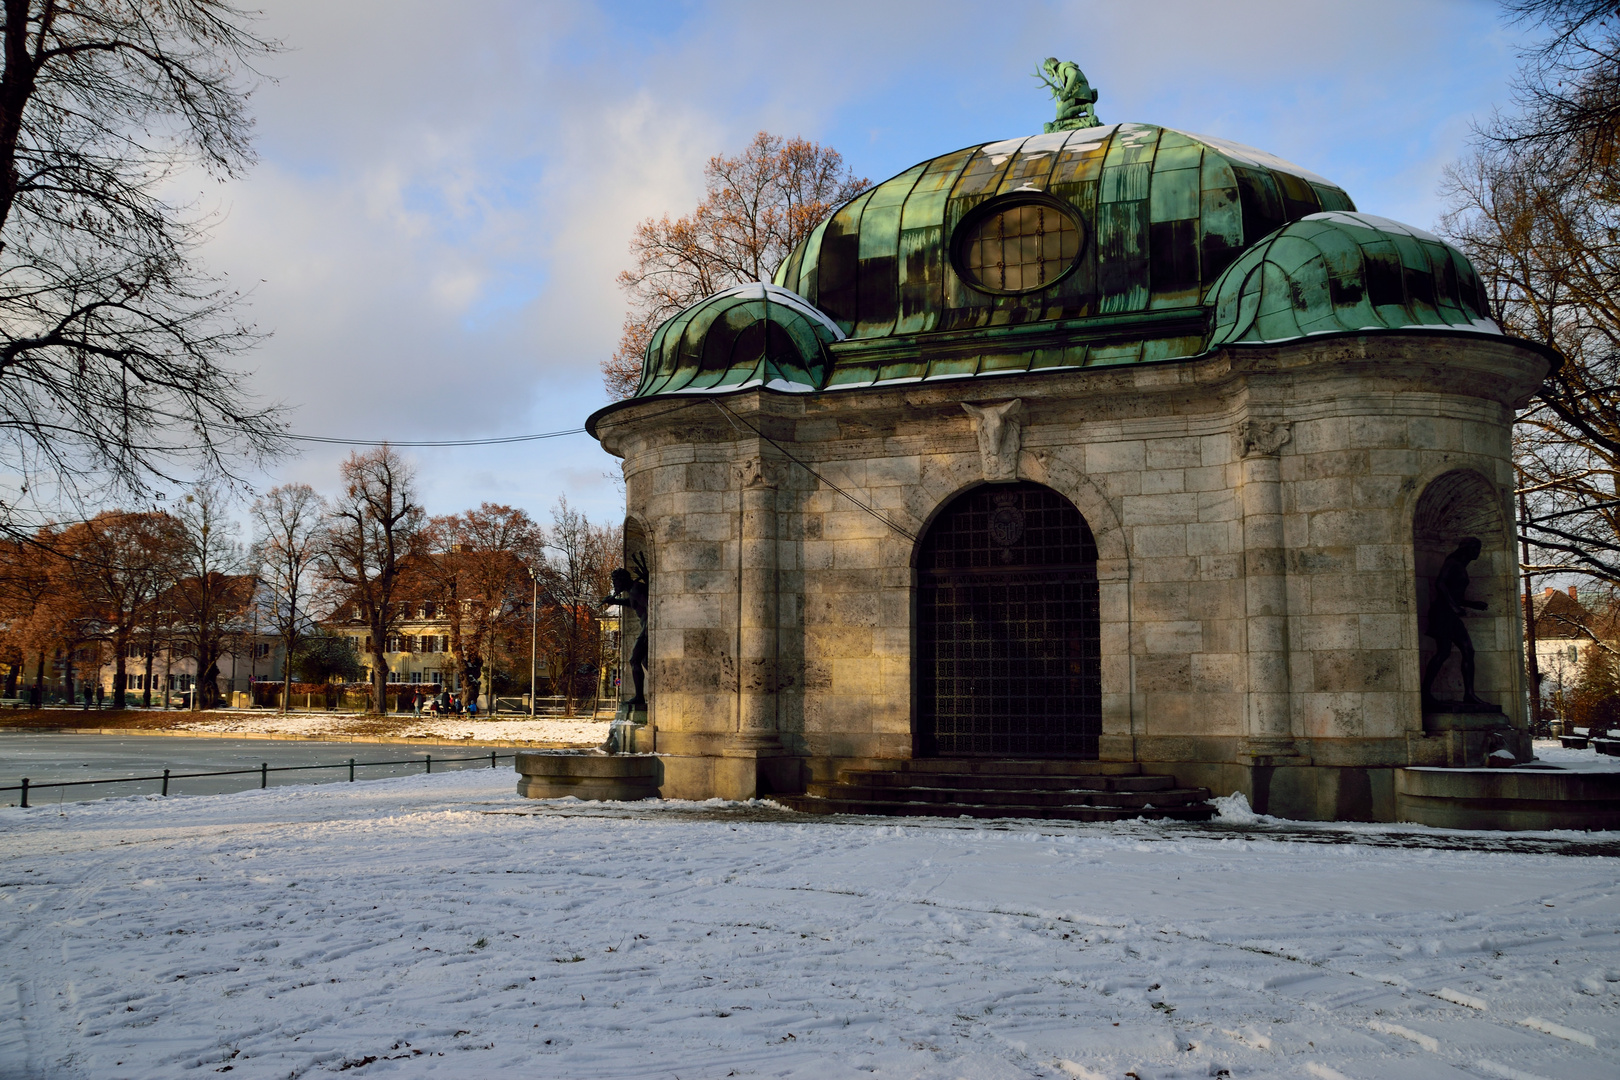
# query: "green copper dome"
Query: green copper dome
{"points": [[1159, 214], [1104, 245], [749, 335], [1341, 272]]}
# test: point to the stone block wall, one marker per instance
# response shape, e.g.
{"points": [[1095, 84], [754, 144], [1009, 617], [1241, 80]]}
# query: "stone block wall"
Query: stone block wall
{"points": [[1260, 581]]}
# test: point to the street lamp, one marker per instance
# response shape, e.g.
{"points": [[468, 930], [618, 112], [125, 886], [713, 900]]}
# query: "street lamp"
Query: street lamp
{"points": [[534, 634]]}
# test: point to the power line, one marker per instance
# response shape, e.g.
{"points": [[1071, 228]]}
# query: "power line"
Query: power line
{"points": [[499, 441], [335, 441], [736, 419]]}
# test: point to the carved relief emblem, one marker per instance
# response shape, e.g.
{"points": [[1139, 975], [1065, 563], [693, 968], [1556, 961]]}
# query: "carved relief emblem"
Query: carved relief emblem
{"points": [[1257, 438], [1006, 524], [1000, 430]]}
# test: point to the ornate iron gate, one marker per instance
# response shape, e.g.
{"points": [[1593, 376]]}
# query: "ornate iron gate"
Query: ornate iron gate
{"points": [[1009, 661]]}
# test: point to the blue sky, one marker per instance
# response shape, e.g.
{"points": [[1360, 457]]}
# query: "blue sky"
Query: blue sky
{"points": [[446, 192]]}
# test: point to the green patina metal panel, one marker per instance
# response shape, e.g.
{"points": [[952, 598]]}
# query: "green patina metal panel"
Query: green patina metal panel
{"points": [[1220, 217], [922, 279], [1172, 348], [1129, 352], [1332, 198], [1032, 168], [1126, 183], [809, 270], [1174, 193], [965, 307], [838, 273], [1298, 196], [922, 244], [1122, 256], [878, 300], [1261, 201]]}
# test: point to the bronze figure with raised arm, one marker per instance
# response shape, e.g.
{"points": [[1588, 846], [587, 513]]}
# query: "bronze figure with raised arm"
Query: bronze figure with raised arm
{"points": [[1448, 603], [630, 590]]}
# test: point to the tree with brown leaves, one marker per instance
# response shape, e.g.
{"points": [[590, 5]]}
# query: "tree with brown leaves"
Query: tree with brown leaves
{"points": [[34, 606], [479, 565], [757, 206], [116, 566]]}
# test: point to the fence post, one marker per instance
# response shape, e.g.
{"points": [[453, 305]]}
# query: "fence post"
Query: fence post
{"points": [[165, 781], [351, 770], [25, 793], [430, 763], [264, 775]]}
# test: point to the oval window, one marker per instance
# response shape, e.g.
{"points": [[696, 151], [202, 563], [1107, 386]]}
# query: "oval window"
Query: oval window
{"points": [[1017, 245]]}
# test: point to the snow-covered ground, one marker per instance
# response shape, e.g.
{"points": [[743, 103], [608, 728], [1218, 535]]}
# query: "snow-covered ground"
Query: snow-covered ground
{"points": [[564, 731], [440, 925]]}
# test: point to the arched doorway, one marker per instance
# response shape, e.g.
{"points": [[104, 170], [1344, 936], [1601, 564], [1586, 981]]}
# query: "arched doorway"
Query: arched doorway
{"points": [[1008, 662]]}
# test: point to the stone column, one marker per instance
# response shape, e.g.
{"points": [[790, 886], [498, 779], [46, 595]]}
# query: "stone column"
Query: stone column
{"points": [[1265, 571], [757, 734]]}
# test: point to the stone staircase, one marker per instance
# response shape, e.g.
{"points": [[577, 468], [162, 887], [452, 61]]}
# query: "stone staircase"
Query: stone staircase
{"points": [[958, 787]]}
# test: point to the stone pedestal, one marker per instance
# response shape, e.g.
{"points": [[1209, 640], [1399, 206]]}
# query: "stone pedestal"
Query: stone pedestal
{"points": [[1522, 798], [1470, 738], [615, 777]]}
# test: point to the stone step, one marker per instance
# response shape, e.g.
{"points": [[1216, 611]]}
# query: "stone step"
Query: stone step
{"points": [[1017, 766], [918, 793], [811, 804], [990, 781]]}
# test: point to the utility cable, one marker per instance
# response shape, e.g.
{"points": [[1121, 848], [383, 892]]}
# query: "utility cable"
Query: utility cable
{"points": [[735, 420], [500, 440]]}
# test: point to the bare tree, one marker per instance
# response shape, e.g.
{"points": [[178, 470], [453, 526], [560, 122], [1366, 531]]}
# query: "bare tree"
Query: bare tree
{"points": [[212, 592], [757, 207], [371, 533], [1568, 87], [582, 558], [287, 524], [113, 342], [1537, 209]]}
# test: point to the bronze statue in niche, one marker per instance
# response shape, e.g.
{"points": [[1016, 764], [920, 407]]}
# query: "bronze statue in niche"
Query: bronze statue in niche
{"points": [[630, 591], [1448, 604]]}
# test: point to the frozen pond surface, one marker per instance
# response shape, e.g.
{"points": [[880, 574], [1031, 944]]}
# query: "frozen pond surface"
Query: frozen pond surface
{"points": [[47, 757], [440, 925]]}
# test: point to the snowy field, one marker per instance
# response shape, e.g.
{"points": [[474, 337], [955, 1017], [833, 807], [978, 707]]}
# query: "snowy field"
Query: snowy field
{"points": [[569, 731], [440, 925]]}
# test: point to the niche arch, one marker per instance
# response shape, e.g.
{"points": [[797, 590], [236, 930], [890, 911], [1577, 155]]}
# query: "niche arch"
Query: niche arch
{"points": [[1455, 505]]}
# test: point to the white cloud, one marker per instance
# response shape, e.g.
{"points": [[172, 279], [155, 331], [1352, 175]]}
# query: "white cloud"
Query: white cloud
{"points": [[446, 193]]}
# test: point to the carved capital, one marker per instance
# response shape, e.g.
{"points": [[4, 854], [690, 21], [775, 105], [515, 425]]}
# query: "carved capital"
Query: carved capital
{"points": [[1257, 438], [1000, 429], [756, 472]]}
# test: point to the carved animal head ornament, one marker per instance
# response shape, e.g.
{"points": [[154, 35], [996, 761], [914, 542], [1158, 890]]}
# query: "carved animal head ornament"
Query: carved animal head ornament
{"points": [[1001, 436], [1259, 439]]}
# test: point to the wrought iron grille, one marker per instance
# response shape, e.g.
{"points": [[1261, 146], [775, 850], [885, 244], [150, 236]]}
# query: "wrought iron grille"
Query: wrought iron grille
{"points": [[1010, 663]]}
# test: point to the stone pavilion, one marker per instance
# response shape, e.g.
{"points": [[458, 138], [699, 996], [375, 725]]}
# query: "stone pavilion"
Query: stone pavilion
{"points": [[1113, 444]]}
